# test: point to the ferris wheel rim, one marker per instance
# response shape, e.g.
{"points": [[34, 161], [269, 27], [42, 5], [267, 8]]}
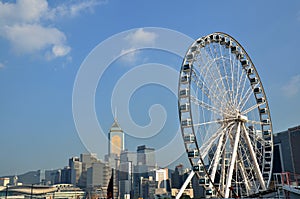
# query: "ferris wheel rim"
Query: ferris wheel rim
{"points": [[202, 42]]}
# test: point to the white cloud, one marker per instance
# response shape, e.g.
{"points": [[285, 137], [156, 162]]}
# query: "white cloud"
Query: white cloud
{"points": [[70, 9], [23, 24], [29, 38], [129, 55], [23, 11], [292, 88], [60, 50], [141, 37]]}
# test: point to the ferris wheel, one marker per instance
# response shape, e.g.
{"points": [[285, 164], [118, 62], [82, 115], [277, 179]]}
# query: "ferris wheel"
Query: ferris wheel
{"points": [[225, 118]]}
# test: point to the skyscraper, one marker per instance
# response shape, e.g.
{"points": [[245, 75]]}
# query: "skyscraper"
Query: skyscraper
{"points": [[146, 156], [76, 169], [116, 139]]}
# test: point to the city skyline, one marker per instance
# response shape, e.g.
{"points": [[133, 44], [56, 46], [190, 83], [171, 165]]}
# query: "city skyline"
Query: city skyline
{"points": [[37, 74]]}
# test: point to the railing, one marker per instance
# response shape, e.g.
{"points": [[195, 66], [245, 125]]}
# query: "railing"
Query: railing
{"points": [[287, 181]]}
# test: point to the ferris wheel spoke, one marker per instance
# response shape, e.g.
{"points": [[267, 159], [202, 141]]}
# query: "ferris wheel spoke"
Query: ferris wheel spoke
{"points": [[213, 122], [209, 65], [253, 157], [207, 145], [252, 108], [216, 158], [243, 171], [208, 107], [223, 171], [206, 90], [246, 97], [218, 67], [244, 176], [224, 68], [255, 122], [232, 160]]}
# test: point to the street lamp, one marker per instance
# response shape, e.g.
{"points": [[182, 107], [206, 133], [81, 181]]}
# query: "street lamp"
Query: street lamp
{"points": [[6, 192], [31, 191]]}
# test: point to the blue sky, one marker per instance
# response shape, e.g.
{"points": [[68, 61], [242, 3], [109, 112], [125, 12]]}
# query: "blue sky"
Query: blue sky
{"points": [[44, 43]]}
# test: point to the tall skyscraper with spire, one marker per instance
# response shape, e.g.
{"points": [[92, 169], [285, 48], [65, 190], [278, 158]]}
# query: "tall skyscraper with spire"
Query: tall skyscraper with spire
{"points": [[116, 139]]}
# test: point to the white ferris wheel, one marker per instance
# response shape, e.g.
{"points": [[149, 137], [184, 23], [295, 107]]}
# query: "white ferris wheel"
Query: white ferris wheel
{"points": [[225, 118]]}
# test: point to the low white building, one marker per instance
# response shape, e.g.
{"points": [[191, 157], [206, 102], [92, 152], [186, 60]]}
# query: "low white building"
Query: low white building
{"points": [[4, 181]]}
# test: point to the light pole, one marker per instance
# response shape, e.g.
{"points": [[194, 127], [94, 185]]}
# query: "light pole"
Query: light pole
{"points": [[31, 191], [6, 192]]}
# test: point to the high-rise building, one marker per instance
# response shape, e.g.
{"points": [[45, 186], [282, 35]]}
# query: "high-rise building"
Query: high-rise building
{"points": [[128, 160], [66, 175], [98, 175], [125, 179], [76, 170], [177, 177], [128, 156], [148, 186], [146, 156], [116, 139], [87, 159], [52, 177]]}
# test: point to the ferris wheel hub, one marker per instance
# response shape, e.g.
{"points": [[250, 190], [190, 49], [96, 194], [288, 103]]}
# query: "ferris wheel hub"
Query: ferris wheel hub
{"points": [[242, 118]]}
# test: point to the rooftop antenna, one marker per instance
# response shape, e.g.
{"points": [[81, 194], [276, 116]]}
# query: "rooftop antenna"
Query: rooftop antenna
{"points": [[115, 114]]}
